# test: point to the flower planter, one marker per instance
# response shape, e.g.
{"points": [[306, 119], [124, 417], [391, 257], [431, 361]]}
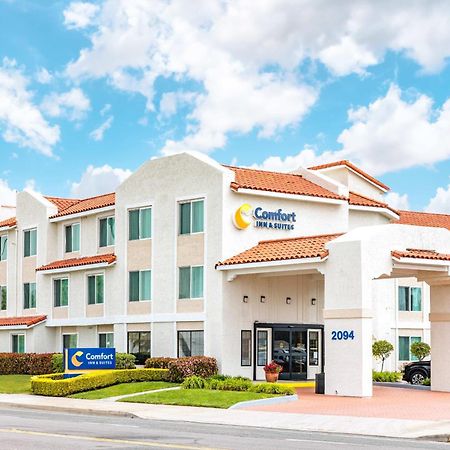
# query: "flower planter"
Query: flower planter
{"points": [[272, 377]]}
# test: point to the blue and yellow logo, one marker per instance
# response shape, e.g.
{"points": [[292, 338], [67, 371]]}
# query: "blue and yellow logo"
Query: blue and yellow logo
{"points": [[74, 359], [242, 218]]}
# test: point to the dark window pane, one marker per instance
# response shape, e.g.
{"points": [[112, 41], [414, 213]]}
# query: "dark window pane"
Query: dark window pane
{"points": [[91, 290], [403, 348], [103, 233], [134, 287], [184, 343], [197, 216], [57, 292], [416, 299], [185, 282], [26, 295], [185, 218], [403, 298], [68, 239], [133, 224], [26, 244], [246, 348], [262, 348], [146, 223]]}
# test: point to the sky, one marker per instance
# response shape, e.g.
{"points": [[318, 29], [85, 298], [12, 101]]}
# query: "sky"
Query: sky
{"points": [[91, 90]]}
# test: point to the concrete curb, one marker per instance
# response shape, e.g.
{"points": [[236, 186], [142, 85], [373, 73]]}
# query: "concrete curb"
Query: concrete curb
{"points": [[265, 401], [418, 387]]}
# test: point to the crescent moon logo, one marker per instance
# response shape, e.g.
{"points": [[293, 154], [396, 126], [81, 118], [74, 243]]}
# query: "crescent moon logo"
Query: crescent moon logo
{"points": [[74, 359], [242, 217]]}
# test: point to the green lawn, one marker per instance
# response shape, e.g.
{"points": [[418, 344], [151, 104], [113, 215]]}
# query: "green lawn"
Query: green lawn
{"points": [[15, 384], [197, 397], [123, 389]]}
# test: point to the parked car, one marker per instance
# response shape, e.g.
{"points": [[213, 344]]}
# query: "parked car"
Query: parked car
{"points": [[416, 372]]}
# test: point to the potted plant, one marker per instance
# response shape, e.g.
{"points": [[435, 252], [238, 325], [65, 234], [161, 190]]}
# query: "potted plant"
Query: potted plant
{"points": [[272, 371]]}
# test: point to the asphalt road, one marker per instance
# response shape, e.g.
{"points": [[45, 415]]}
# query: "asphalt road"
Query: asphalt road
{"points": [[33, 429]]}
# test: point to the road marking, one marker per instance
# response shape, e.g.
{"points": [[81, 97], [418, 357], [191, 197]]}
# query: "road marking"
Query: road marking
{"points": [[109, 440]]}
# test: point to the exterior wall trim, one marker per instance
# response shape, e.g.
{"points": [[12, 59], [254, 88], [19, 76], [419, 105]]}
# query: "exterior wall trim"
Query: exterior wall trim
{"points": [[384, 211], [82, 214], [439, 317]]}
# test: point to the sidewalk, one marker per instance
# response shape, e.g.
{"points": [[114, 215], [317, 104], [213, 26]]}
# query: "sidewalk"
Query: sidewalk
{"points": [[262, 419]]}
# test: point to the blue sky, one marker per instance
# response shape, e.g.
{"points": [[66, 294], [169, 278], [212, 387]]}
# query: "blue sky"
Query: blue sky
{"points": [[91, 90]]}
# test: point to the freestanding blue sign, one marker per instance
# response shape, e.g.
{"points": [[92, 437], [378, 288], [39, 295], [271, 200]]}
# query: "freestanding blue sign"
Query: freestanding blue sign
{"points": [[90, 359]]}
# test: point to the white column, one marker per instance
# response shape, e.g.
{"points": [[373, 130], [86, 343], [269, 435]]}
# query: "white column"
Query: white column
{"points": [[348, 321], [440, 337]]}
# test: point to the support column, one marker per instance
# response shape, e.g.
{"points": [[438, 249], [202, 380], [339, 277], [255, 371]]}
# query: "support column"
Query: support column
{"points": [[348, 321], [440, 337]]}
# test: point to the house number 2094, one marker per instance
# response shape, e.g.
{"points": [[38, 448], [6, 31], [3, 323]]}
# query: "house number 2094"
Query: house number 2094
{"points": [[342, 335]]}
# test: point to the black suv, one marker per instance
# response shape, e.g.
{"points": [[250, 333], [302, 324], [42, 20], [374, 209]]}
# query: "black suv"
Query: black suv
{"points": [[416, 372]]}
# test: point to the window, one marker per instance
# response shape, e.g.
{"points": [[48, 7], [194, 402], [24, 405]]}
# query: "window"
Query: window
{"points": [[140, 285], [30, 242], [246, 348], [262, 347], [73, 238], [106, 340], [29, 295], [70, 341], [3, 247], [18, 343], [107, 231], [313, 348], [190, 282], [139, 345], [409, 298], [404, 347], [190, 343], [139, 224], [61, 292], [96, 289], [3, 298], [192, 217]]}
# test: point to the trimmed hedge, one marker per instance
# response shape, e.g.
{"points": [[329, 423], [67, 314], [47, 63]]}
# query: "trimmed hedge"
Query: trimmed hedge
{"points": [[158, 363], [235, 384], [25, 363], [202, 366], [54, 385], [386, 377]]}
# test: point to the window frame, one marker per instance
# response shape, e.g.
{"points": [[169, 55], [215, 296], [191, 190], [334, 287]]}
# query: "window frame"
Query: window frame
{"points": [[69, 334], [35, 295], [411, 340], [140, 299], [106, 218], [72, 234], [191, 215], [3, 288], [140, 332], [29, 230], [266, 350], [242, 347], [190, 342], [24, 342], [140, 208], [104, 333], [409, 299], [191, 283], [97, 274], [4, 238], [60, 279]]}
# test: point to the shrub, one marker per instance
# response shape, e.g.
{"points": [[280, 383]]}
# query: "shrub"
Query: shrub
{"points": [[181, 368], [230, 384], [420, 350], [25, 363], [272, 388], [158, 363], [194, 382], [57, 363], [426, 382], [55, 385], [386, 377], [125, 361]]}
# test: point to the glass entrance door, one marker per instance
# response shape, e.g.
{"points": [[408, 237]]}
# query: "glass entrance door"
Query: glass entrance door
{"points": [[289, 350]]}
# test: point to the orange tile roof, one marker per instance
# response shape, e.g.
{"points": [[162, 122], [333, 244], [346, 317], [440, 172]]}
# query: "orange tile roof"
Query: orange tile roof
{"points": [[88, 204], [424, 219], [62, 203], [354, 168], [108, 258], [360, 200], [283, 249], [285, 183], [421, 254], [11, 222], [18, 321]]}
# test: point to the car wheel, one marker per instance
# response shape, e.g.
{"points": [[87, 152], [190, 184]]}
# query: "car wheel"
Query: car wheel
{"points": [[417, 378]]}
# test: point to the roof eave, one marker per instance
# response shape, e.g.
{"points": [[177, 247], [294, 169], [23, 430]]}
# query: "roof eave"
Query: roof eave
{"points": [[76, 268]]}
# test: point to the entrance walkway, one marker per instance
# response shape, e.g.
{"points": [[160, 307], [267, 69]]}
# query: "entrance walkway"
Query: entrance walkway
{"points": [[386, 403]]}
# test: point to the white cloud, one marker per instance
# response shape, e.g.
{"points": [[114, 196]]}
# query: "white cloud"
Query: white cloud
{"points": [[105, 109], [97, 134], [21, 121], [171, 101], [79, 14], [7, 194], [397, 201], [248, 79], [43, 76], [73, 104], [440, 203], [99, 180]]}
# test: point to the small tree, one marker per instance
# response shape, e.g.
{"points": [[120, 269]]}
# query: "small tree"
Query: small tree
{"points": [[420, 350], [382, 350]]}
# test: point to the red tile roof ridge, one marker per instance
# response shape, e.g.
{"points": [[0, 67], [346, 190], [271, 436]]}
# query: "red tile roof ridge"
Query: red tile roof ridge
{"points": [[420, 254], [380, 203], [97, 196], [22, 320], [317, 236], [349, 164], [229, 166], [10, 222], [108, 258], [423, 212]]}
